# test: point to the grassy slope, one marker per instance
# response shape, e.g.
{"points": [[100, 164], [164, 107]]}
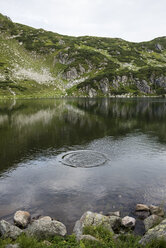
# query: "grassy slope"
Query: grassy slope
{"points": [[38, 63]]}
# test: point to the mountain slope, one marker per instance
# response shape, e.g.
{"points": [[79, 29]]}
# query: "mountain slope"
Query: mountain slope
{"points": [[39, 63]]}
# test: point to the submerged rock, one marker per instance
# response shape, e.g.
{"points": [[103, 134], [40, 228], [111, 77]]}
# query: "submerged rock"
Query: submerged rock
{"points": [[22, 218], [158, 232], [151, 221], [142, 214], [46, 228], [8, 230]]}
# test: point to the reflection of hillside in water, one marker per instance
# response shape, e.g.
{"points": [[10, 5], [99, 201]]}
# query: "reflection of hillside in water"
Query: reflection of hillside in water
{"points": [[29, 127]]}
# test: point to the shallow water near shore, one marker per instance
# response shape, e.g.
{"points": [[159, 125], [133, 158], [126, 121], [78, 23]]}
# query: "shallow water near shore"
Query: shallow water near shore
{"points": [[62, 157]]}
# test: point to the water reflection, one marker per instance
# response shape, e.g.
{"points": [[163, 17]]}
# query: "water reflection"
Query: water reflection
{"points": [[131, 132]]}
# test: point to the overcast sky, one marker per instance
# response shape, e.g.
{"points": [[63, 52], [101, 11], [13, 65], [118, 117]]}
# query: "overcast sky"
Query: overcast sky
{"points": [[132, 20]]}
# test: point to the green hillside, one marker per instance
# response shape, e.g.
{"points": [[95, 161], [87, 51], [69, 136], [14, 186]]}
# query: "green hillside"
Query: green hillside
{"points": [[39, 63]]}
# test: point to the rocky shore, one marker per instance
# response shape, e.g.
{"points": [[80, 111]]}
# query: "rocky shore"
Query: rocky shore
{"points": [[44, 227]]}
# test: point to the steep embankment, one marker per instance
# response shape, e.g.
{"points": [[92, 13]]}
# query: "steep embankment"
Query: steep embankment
{"points": [[38, 63]]}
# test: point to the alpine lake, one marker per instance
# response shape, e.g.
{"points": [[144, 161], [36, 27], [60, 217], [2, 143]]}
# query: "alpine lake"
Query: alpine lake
{"points": [[62, 157]]}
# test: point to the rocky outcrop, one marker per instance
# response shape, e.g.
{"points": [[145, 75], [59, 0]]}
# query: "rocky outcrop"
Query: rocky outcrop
{"points": [[71, 74], [8, 230], [158, 232], [63, 58]]}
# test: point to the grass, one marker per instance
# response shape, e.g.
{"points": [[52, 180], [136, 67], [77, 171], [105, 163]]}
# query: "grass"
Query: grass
{"points": [[106, 240]]}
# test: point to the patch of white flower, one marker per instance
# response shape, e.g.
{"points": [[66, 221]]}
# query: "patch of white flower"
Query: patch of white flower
{"points": [[41, 77]]}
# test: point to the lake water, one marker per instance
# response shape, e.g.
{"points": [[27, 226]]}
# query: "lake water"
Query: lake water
{"points": [[66, 156]]}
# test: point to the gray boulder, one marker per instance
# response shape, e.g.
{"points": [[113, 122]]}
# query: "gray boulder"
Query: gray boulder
{"points": [[142, 211], [158, 232], [142, 207], [116, 223], [7, 230], [91, 219], [151, 221], [157, 210], [46, 228], [128, 222], [22, 218]]}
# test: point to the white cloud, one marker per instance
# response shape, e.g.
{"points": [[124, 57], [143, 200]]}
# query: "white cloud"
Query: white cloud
{"points": [[134, 20]]}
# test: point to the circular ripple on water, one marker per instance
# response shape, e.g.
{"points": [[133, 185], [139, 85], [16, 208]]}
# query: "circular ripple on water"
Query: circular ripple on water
{"points": [[84, 159]]}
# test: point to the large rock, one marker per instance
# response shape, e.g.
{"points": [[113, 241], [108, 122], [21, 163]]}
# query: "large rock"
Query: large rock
{"points": [[22, 218], [7, 230], [91, 219], [142, 211], [128, 222], [46, 228], [158, 232], [116, 223], [142, 207], [151, 221], [157, 210]]}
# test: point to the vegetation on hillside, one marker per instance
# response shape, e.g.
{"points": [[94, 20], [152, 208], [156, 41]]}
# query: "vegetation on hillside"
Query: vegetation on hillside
{"points": [[39, 63]]}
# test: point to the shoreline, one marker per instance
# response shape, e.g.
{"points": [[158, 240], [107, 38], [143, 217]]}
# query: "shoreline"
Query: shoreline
{"points": [[89, 228]]}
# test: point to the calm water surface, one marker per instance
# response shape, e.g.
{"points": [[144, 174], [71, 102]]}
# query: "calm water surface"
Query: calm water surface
{"points": [[37, 135]]}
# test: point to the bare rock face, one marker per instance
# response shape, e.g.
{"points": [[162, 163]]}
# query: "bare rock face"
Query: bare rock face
{"points": [[128, 222], [151, 221], [22, 218], [7, 230], [46, 228], [157, 210]]}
